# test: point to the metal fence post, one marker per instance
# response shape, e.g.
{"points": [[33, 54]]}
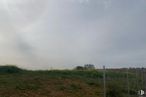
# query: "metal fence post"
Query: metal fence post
{"points": [[104, 80]]}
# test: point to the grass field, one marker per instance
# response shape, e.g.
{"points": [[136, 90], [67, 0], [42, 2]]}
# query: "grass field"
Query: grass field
{"points": [[15, 82]]}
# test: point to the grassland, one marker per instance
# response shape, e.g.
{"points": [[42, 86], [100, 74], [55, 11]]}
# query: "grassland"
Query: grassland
{"points": [[15, 82]]}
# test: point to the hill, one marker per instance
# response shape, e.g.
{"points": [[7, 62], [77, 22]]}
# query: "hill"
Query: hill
{"points": [[15, 82]]}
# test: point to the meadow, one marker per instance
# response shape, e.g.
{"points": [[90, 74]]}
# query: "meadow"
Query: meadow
{"points": [[16, 82]]}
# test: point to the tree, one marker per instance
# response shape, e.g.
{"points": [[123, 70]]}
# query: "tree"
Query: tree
{"points": [[79, 68]]}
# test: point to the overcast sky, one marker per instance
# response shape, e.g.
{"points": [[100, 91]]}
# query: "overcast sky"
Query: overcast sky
{"points": [[43, 34]]}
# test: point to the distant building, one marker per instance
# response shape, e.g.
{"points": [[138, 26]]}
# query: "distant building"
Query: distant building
{"points": [[89, 66]]}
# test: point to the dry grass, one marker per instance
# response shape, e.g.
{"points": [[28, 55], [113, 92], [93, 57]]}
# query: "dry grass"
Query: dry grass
{"points": [[57, 83]]}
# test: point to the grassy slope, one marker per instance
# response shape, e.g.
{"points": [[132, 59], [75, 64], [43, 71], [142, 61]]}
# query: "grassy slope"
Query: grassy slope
{"points": [[59, 83]]}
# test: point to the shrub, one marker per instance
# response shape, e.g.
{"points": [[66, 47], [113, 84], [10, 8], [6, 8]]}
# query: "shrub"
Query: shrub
{"points": [[79, 68], [9, 69], [114, 90]]}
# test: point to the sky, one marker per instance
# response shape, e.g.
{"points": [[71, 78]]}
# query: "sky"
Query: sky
{"points": [[62, 34]]}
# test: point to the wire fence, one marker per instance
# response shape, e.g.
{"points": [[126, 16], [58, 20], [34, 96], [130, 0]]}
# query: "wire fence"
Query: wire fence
{"points": [[124, 82]]}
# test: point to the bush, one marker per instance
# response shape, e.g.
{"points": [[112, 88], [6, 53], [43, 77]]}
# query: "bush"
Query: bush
{"points": [[9, 69], [79, 68], [114, 90]]}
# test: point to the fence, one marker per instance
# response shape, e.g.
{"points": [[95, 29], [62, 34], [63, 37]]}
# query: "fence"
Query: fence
{"points": [[125, 82]]}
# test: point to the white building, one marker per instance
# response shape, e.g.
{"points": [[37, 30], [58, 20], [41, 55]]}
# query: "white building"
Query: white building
{"points": [[89, 66]]}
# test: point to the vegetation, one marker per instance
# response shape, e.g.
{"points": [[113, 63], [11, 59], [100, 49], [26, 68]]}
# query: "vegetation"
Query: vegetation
{"points": [[15, 82]]}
